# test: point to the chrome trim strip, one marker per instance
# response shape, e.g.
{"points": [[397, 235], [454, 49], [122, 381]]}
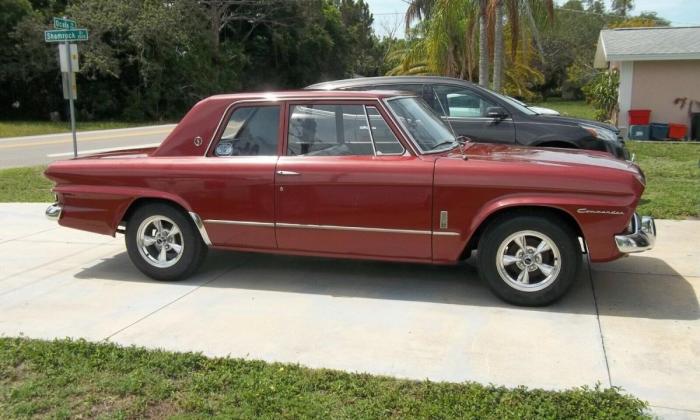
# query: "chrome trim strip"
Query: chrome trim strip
{"points": [[446, 233], [239, 223], [200, 226], [325, 227], [354, 228], [53, 212], [642, 238]]}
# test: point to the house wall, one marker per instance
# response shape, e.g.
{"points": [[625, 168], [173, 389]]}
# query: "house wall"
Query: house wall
{"points": [[655, 85]]}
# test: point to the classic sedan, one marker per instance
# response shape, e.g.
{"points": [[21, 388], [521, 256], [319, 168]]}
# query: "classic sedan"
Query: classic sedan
{"points": [[367, 175]]}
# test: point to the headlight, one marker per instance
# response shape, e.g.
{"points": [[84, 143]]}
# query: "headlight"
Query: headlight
{"points": [[599, 132]]}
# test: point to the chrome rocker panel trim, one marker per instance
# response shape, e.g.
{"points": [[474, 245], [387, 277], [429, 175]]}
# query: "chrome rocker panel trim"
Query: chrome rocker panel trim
{"points": [[642, 238], [53, 212]]}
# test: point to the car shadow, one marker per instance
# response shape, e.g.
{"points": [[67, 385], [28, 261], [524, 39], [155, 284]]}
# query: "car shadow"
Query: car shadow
{"points": [[623, 294]]}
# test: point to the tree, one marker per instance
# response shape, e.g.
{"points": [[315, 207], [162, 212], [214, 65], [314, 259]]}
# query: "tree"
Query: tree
{"points": [[498, 52], [483, 44], [622, 7]]}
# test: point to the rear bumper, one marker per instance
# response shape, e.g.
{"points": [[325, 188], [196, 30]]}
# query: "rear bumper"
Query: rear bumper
{"points": [[641, 238], [53, 212]]}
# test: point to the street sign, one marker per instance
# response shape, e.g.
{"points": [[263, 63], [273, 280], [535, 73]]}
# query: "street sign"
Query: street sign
{"points": [[70, 89], [63, 23], [66, 35], [63, 58]]}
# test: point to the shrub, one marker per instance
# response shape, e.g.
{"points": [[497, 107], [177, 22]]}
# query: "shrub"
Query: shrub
{"points": [[601, 92]]}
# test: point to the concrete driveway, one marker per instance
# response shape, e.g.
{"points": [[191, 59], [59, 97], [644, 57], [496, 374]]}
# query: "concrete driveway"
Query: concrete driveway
{"points": [[634, 323]]}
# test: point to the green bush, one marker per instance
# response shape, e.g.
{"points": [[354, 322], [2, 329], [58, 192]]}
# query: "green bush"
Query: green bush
{"points": [[601, 92]]}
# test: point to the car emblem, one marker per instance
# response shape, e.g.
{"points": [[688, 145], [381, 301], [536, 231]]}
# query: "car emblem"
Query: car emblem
{"points": [[198, 141], [585, 210]]}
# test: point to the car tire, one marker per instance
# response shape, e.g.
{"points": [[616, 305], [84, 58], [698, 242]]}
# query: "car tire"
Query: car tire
{"points": [[529, 260], [162, 242]]}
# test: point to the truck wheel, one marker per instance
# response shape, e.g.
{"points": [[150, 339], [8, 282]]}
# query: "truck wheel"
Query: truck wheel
{"points": [[528, 260], [163, 243]]}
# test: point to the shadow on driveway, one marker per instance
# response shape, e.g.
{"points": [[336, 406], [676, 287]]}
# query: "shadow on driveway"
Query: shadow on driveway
{"points": [[628, 294]]}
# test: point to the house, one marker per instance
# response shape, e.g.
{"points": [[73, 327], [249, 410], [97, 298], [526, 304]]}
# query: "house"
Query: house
{"points": [[657, 66]]}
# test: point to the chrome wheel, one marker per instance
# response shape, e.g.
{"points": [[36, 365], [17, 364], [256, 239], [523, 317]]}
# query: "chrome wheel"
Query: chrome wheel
{"points": [[160, 241], [528, 261]]}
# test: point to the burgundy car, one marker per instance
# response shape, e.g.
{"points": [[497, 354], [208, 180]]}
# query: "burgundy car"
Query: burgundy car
{"points": [[368, 175]]}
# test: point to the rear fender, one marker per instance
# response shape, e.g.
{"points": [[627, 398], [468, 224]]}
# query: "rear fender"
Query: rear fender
{"points": [[100, 209]]}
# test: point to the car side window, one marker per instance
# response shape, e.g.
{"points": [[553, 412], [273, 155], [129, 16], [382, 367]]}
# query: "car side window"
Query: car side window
{"points": [[462, 103], [250, 131], [328, 130], [385, 142]]}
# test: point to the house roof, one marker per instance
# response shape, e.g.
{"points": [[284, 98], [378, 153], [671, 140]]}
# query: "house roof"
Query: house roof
{"points": [[638, 44]]}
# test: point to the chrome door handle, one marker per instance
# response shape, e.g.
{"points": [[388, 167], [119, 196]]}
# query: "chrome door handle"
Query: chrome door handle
{"points": [[287, 173]]}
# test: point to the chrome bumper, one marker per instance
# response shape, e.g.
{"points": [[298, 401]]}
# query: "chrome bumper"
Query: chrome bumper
{"points": [[53, 212], [642, 237]]}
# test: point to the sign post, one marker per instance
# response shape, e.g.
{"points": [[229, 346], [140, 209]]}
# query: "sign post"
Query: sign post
{"points": [[68, 58]]}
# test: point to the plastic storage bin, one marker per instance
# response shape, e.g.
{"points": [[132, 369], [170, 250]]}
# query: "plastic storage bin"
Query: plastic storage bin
{"points": [[658, 131], [677, 131], [638, 132], [638, 116]]}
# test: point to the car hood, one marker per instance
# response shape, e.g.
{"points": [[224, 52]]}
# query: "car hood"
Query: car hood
{"points": [[570, 120], [547, 156]]}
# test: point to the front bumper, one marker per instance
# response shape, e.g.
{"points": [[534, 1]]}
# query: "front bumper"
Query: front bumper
{"points": [[641, 238], [53, 212]]}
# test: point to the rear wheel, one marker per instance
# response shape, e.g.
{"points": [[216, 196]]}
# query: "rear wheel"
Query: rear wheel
{"points": [[528, 260], [163, 243]]}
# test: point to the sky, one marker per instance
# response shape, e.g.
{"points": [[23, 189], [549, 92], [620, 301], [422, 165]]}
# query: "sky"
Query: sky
{"points": [[388, 14]]}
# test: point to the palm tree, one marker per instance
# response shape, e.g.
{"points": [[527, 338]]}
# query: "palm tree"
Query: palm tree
{"points": [[498, 53], [538, 13], [483, 44]]}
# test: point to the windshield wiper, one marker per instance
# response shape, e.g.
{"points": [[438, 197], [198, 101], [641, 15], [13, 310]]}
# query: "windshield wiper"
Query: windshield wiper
{"points": [[443, 143]]}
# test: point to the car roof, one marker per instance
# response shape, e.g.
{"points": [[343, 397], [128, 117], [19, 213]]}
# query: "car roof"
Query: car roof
{"points": [[383, 80], [307, 94]]}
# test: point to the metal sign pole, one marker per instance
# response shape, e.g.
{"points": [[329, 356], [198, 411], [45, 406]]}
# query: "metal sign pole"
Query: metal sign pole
{"points": [[70, 99]]}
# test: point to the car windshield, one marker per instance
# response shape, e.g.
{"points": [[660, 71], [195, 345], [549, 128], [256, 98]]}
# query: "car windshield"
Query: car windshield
{"points": [[516, 104], [425, 128]]}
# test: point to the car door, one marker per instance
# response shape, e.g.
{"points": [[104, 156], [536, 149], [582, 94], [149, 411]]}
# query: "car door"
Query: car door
{"points": [[465, 110], [237, 198], [346, 186]]}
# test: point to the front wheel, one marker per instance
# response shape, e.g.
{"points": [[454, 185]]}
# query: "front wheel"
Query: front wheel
{"points": [[163, 243], [528, 260]]}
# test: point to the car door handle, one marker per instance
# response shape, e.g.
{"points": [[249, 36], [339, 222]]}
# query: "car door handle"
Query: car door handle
{"points": [[287, 173]]}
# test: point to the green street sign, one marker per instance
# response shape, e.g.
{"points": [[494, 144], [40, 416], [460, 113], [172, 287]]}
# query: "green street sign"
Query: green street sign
{"points": [[61, 23], [66, 35]]}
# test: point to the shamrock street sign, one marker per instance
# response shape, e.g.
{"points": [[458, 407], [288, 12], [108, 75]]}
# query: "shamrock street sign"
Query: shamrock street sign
{"points": [[63, 23], [66, 35]]}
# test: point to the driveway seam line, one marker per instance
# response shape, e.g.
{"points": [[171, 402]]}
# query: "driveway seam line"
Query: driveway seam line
{"points": [[169, 303], [44, 278], [45, 264], [19, 238], [597, 317]]}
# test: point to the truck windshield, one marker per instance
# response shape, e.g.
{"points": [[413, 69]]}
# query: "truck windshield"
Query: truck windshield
{"points": [[425, 128]]}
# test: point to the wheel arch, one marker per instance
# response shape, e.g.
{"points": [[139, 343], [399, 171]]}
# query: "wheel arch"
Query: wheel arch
{"points": [[141, 201], [522, 210]]}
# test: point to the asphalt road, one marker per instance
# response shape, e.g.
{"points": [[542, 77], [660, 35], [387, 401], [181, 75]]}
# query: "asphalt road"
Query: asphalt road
{"points": [[633, 323], [40, 150]]}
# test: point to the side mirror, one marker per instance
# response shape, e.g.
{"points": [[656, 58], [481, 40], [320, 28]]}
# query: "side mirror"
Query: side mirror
{"points": [[496, 112]]}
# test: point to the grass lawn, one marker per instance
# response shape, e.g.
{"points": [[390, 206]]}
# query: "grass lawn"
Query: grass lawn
{"points": [[673, 178], [33, 128], [66, 379], [25, 185], [579, 109]]}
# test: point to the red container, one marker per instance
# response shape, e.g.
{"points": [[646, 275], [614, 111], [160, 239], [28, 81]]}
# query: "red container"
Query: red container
{"points": [[677, 131], [638, 116]]}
